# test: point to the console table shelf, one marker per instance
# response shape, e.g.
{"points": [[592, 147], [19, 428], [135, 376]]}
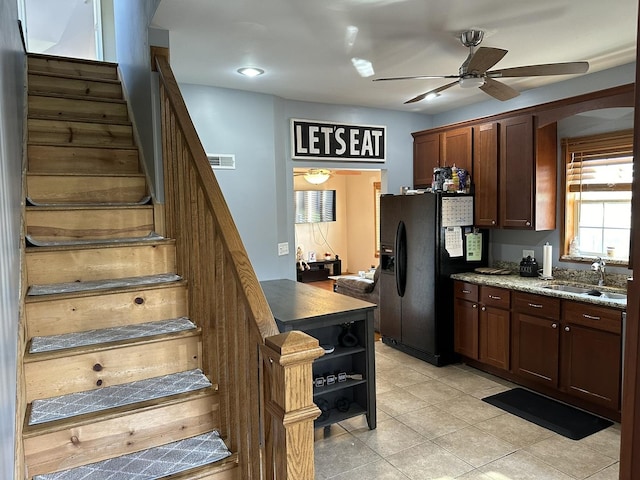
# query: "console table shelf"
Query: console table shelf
{"points": [[326, 316], [319, 270]]}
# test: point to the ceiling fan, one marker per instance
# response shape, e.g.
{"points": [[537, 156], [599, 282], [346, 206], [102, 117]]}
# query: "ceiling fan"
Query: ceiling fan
{"points": [[474, 71]]}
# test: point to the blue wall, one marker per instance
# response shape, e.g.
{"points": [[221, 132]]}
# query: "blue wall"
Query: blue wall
{"points": [[255, 128], [11, 114], [132, 20]]}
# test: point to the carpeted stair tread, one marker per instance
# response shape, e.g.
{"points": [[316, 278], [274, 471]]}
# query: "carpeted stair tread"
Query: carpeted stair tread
{"points": [[48, 243], [111, 334], [72, 287], [143, 201], [151, 464], [91, 401]]}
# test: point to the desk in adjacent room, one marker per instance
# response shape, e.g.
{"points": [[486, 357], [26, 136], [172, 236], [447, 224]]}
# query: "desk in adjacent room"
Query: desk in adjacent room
{"points": [[344, 381]]}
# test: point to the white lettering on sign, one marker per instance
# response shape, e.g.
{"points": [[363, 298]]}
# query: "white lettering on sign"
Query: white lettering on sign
{"points": [[324, 140]]}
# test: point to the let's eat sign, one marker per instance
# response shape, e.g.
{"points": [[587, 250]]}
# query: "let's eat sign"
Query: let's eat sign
{"points": [[312, 140]]}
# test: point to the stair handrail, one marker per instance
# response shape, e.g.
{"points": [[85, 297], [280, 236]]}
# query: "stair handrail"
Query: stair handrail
{"points": [[264, 378]]}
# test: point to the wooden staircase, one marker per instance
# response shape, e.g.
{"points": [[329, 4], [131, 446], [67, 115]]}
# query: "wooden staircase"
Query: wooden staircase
{"points": [[113, 370]]}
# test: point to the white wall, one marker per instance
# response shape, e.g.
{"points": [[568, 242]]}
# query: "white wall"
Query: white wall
{"points": [[11, 113]]}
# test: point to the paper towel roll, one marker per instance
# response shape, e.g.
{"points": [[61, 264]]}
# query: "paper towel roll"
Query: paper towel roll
{"points": [[547, 253]]}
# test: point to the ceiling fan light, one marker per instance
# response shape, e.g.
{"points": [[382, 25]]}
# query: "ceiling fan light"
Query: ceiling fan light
{"points": [[470, 82], [317, 176]]}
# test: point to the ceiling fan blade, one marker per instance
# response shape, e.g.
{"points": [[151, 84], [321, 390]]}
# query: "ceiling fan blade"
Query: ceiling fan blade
{"points": [[416, 77], [434, 91], [568, 68], [499, 90], [484, 58]]}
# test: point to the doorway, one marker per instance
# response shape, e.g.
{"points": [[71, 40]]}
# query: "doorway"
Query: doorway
{"points": [[354, 235]]}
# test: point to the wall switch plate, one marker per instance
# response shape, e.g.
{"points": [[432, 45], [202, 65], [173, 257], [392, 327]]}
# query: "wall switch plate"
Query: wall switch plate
{"points": [[283, 248], [528, 253]]}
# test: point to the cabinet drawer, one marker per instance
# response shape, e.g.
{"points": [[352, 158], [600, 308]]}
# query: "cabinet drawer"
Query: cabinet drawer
{"points": [[466, 291], [536, 305], [495, 297], [601, 318]]}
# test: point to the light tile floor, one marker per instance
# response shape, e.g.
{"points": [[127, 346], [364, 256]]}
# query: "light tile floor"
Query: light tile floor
{"points": [[433, 425]]}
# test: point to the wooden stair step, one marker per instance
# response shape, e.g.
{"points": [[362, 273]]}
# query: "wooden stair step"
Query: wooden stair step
{"points": [[66, 132], [52, 188], [82, 403], [57, 314], [34, 242], [92, 367], [107, 284], [77, 108], [93, 437], [109, 335], [91, 263], [64, 223], [164, 461], [73, 67], [73, 159], [70, 85]]}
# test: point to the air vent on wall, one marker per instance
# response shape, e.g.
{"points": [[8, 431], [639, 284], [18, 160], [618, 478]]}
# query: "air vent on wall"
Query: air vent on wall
{"points": [[222, 161]]}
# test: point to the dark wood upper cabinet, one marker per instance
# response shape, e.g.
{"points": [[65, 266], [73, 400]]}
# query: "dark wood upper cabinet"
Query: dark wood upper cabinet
{"points": [[485, 174], [527, 174], [426, 156], [458, 149]]}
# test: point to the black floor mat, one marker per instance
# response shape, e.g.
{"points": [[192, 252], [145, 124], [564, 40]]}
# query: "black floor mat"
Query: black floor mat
{"points": [[555, 416]]}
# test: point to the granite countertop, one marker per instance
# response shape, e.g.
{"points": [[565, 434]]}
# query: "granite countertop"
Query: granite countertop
{"points": [[537, 286]]}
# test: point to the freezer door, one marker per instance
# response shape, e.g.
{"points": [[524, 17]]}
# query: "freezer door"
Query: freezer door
{"points": [[418, 303]]}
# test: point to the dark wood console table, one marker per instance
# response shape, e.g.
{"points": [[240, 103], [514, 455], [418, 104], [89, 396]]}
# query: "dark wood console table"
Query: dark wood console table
{"points": [[320, 270], [344, 381]]}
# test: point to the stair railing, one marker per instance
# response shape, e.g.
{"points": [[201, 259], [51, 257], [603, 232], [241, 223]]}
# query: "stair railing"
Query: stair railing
{"points": [[264, 378]]}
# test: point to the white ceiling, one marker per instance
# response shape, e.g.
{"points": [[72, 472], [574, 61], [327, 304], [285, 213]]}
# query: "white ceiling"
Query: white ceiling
{"points": [[301, 44]]}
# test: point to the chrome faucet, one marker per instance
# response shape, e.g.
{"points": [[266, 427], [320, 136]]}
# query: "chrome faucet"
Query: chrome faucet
{"points": [[598, 266]]}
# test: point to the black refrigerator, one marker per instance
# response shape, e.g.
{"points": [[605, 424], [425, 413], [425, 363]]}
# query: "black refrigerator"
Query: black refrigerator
{"points": [[424, 238]]}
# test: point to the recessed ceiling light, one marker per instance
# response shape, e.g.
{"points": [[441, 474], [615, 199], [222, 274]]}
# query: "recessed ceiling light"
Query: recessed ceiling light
{"points": [[250, 71]]}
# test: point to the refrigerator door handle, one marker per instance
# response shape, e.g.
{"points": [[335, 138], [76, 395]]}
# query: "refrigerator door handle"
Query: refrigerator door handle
{"points": [[401, 258]]}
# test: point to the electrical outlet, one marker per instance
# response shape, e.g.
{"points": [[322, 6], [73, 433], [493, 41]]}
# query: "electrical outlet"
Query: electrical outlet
{"points": [[283, 248], [528, 253]]}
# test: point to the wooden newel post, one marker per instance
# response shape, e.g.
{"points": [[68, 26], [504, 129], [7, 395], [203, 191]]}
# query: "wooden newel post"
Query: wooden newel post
{"points": [[288, 402]]}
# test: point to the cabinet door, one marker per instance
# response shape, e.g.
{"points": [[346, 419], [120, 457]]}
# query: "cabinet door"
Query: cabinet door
{"points": [[516, 173], [426, 156], [485, 174], [494, 336], [535, 353], [465, 328], [458, 148], [591, 364]]}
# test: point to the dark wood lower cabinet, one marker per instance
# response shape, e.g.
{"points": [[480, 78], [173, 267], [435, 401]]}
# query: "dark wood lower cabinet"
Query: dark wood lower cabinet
{"points": [[566, 349], [494, 336], [591, 354], [536, 343]]}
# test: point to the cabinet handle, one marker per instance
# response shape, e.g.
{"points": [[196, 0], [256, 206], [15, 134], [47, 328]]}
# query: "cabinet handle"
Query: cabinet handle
{"points": [[466, 291], [493, 222], [528, 224], [567, 329], [483, 308], [590, 317], [535, 305], [554, 325], [475, 305], [495, 297]]}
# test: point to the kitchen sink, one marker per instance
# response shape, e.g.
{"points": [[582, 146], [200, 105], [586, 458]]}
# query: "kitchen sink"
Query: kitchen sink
{"points": [[587, 290], [568, 288]]}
